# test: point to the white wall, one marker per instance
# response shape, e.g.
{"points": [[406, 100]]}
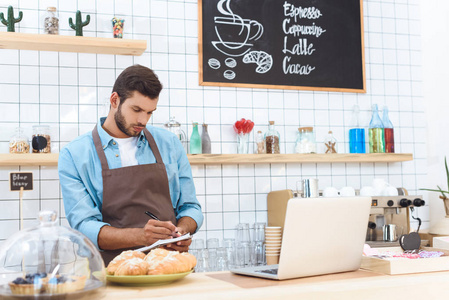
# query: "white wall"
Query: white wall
{"points": [[435, 53], [68, 92]]}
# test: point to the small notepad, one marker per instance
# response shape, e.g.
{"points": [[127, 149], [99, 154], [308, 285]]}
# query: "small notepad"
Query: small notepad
{"points": [[165, 242]]}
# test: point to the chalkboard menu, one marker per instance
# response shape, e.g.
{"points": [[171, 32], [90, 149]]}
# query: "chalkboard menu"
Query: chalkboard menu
{"points": [[286, 44]]}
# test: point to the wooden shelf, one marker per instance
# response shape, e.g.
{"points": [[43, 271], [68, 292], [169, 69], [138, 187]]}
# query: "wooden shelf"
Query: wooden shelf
{"points": [[64, 43], [40, 159], [209, 159], [29, 159]]}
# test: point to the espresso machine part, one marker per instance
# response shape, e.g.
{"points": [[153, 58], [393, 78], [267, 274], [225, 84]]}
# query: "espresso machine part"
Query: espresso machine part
{"points": [[391, 210]]}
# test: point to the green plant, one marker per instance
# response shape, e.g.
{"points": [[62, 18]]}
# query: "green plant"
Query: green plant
{"points": [[78, 26], [11, 20], [445, 194]]}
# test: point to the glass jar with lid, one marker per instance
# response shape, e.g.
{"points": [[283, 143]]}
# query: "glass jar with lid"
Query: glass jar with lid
{"points": [[19, 142], [305, 143], [41, 141], [50, 262], [272, 140], [175, 127], [51, 21]]}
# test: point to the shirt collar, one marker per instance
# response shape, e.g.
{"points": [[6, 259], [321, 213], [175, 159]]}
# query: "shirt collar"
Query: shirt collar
{"points": [[106, 139]]}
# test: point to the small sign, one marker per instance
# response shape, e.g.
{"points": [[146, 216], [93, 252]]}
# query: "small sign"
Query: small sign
{"points": [[21, 179]]}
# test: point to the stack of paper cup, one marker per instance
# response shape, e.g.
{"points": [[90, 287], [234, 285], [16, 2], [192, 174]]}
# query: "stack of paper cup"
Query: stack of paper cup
{"points": [[273, 240]]}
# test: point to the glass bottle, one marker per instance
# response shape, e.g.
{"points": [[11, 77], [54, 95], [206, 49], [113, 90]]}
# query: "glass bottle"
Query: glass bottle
{"points": [[205, 141], [19, 142], [330, 143], [356, 133], [195, 140], [305, 142], [376, 133], [272, 138], [388, 131], [51, 21], [260, 143], [41, 141]]}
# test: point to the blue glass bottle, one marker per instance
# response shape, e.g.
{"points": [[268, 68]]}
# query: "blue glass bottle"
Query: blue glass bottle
{"points": [[195, 140], [356, 133]]}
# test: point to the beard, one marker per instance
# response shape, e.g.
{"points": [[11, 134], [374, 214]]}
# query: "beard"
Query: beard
{"points": [[123, 126]]}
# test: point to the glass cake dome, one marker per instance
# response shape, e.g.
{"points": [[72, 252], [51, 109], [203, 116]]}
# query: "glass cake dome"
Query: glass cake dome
{"points": [[50, 261]]}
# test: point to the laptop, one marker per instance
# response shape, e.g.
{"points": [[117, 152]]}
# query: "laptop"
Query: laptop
{"points": [[320, 236]]}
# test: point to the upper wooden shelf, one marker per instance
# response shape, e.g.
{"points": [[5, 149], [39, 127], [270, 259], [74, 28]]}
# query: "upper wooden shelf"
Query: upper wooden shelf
{"points": [[65, 43], [40, 159], [209, 159]]}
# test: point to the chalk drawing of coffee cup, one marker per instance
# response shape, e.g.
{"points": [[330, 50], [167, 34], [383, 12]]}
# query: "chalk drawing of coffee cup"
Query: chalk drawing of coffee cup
{"points": [[235, 33]]}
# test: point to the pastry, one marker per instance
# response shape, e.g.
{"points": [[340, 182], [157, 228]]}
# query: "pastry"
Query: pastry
{"points": [[30, 285], [157, 262], [133, 266], [117, 261], [65, 284], [162, 261]]}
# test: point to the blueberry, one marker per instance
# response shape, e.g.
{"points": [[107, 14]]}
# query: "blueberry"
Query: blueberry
{"points": [[20, 280]]}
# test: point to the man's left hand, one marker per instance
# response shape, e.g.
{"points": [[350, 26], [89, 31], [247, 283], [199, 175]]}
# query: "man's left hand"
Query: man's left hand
{"points": [[181, 246]]}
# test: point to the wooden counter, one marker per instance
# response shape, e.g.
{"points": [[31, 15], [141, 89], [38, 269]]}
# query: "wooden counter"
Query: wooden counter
{"points": [[351, 285]]}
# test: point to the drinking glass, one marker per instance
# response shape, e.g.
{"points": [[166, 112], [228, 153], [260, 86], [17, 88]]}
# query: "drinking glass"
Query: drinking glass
{"points": [[212, 243], [222, 260], [229, 245], [243, 235]]}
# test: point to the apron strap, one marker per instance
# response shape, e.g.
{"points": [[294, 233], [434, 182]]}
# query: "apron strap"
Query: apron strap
{"points": [[153, 146], [99, 148]]}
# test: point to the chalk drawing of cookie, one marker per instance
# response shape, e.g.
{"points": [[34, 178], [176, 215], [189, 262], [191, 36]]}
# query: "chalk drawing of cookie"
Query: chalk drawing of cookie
{"points": [[229, 74], [230, 62], [214, 63]]}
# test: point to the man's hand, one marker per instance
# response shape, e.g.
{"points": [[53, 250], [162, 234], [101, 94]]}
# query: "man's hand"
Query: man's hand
{"points": [[185, 225], [158, 230]]}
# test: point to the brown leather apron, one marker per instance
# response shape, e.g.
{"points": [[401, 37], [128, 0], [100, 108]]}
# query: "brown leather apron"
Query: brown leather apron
{"points": [[130, 191]]}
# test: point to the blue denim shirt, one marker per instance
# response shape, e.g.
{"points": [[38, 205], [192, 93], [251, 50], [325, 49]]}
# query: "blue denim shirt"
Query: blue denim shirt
{"points": [[82, 182]]}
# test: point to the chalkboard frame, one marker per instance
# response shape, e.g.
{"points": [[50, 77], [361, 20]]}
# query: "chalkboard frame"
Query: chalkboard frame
{"points": [[269, 86]]}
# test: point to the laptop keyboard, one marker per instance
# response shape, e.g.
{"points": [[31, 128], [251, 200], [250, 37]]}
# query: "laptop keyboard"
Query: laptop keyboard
{"points": [[269, 271]]}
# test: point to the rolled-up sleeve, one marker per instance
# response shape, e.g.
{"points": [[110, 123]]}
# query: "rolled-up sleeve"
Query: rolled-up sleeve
{"points": [[82, 212], [187, 205]]}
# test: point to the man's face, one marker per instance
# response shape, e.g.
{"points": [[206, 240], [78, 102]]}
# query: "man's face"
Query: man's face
{"points": [[133, 115]]}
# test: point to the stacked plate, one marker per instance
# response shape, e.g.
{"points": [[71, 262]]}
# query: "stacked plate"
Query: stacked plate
{"points": [[273, 241]]}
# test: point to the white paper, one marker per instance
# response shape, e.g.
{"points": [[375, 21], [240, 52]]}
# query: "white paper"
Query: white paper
{"points": [[165, 242]]}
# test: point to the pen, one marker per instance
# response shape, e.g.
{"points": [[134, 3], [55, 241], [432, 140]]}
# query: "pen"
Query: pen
{"points": [[153, 216]]}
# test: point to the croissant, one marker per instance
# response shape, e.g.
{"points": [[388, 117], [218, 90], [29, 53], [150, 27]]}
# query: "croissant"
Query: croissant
{"points": [[119, 259], [162, 261], [133, 266]]}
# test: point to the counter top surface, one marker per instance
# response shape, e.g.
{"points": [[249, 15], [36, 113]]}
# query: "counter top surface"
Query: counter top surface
{"points": [[360, 284]]}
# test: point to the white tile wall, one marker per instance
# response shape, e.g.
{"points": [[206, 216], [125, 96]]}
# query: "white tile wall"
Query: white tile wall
{"points": [[69, 91]]}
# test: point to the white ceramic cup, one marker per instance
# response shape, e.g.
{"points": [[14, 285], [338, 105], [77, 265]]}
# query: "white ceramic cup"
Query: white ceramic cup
{"points": [[330, 191], [367, 191], [347, 191]]}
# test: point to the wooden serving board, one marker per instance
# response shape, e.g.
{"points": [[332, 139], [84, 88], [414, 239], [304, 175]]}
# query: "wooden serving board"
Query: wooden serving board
{"points": [[406, 266]]}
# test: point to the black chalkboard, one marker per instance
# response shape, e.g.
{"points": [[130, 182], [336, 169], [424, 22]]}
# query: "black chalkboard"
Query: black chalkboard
{"points": [[287, 44], [21, 179]]}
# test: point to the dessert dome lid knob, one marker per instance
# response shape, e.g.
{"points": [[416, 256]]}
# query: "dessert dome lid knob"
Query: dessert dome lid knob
{"points": [[47, 217]]}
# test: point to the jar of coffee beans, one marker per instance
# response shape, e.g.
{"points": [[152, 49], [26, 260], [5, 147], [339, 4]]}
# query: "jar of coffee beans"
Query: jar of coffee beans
{"points": [[272, 140]]}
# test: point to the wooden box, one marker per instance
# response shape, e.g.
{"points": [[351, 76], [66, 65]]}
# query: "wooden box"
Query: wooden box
{"points": [[406, 266]]}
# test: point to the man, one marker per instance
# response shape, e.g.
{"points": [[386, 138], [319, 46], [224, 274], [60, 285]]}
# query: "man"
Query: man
{"points": [[111, 176]]}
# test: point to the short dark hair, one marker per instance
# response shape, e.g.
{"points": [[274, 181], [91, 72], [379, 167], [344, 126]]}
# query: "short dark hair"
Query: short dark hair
{"points": [[137, 78]]}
